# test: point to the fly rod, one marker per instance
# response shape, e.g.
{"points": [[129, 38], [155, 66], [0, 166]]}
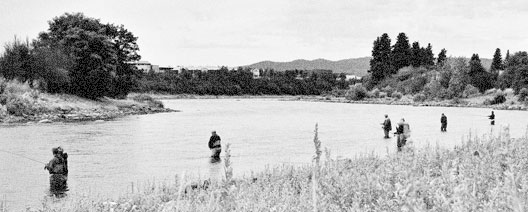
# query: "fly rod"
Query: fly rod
{"points": [[22, 156]]}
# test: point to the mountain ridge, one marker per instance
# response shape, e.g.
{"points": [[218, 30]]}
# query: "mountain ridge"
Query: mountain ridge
{"points": [[356, 66]]}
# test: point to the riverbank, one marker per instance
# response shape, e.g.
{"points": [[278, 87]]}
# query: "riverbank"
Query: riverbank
{"points": [[487, 173], [21, 104], [194, 96], [473, 102], [477, 101]]}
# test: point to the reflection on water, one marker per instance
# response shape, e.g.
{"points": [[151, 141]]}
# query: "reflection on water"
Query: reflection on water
{"points": [[106, 157], [216, 170]]}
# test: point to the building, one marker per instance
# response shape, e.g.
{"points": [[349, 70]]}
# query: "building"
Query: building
{"points": [[256, 73], [145, 66], [352, 77]]}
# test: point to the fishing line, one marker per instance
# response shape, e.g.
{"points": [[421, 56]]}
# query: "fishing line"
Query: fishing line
{"points": [[19, 155]]}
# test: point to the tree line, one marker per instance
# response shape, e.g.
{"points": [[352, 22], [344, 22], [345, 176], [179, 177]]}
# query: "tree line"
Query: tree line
{"points": [[241, 81], [415, 70]]}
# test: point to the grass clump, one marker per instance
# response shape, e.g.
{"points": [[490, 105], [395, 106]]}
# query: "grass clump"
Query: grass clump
{"points": [[487, 173]]}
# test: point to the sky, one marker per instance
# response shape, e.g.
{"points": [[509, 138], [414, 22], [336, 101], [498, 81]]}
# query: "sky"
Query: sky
{"points": [[242, 32]]}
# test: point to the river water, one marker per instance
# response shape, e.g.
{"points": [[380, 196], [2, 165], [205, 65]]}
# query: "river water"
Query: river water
{"points": [[108, 159]]}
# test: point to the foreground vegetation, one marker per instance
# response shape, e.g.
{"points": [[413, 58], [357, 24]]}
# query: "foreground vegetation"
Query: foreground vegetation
{"points": [[483, 174], [21, 103]]}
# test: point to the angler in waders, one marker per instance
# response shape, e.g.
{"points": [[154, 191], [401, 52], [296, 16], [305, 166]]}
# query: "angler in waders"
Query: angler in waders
{"points": [[58, 172], [443, 121], [386, 125], [403, 132], [214, 145], [492, 118]]}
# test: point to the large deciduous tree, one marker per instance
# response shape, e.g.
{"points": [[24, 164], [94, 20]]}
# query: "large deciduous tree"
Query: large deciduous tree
{"points": [[100, 52]]}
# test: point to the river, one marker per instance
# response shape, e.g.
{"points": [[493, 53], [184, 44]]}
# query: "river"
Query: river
{"points": [[107, 158]]}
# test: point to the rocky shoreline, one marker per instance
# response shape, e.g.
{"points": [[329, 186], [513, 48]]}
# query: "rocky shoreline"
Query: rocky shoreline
{"points": [[70, 114], [404, 102]]}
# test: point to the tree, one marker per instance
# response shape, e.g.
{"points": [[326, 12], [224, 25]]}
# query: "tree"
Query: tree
{"points": [[428, 56], [478, 75], [380, 64], [506, 59], [416, 55], [516, 74], [101, 54], [17, 62], [496, 64], [441, 57], [401, 53]]}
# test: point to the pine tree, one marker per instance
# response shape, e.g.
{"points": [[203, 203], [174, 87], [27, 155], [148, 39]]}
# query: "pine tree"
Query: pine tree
{"points": [[496, 64], [401, 53], [478, 76], [428, 55], [506, 59], [416, 55], [380, 63], [441, 57]]}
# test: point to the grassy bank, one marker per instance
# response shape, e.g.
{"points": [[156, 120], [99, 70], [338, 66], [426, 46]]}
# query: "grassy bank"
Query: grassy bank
{"points": [[21, 103], [478, 101], [483, 174]]}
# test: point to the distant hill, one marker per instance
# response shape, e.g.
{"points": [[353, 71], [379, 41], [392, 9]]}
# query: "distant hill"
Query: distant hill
{"points": [[356, 66]]}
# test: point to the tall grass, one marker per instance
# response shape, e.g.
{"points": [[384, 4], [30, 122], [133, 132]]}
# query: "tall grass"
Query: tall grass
{"points": [[487, 173]]}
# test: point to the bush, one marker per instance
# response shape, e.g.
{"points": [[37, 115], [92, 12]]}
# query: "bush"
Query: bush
{"points": [[148, 99], [523, 94], [397, 95], [419, 97], [357, 92], [375, 92], [143, 98], [458, 101], [388, 89], [499, 98], [469, 91], [382, 95]]}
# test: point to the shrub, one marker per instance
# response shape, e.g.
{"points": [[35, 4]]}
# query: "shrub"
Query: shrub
{"points": [[499, 98], [523, 94], [458, 101], [397, 95], [419, 97], [375, 92], [469, 91], [388, 89], [357, 92], [143, 98], [148, 99], [382, 95]]}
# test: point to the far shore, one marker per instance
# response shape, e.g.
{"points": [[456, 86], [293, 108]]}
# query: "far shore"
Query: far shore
{"points": [[473, 102]]}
